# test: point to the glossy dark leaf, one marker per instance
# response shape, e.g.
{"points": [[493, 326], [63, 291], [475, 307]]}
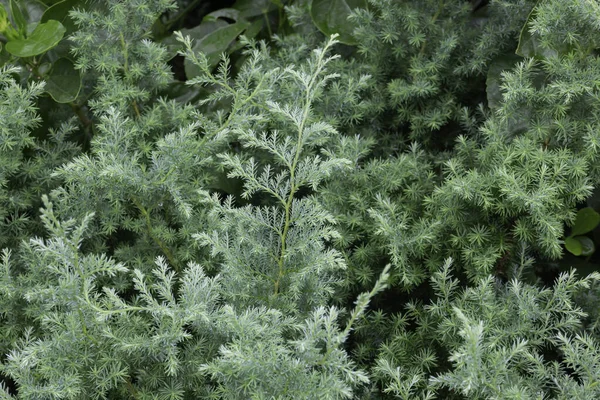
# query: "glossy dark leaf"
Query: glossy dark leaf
{"points": [[197, 33], [183, 93], [64, 81], [587, 220], [252, 30], [214, 44], [494, 78], [60, 12], [529, 44], [227, 13], [587, 245], [253, 8], [32, 11], [331, 16]]}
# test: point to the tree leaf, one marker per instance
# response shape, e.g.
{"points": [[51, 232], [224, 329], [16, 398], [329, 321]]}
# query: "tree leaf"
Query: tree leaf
{"points": [[227, 13], [60, 12], [197, 33], [18, 18], [587, 245], [529, 44], [250, 32], [254, 29], [32, 11], [573, 245], [331, 16], [182, 93], [494, 78], [44, 37], [253, 8], [64, 82], [586, 221], [214, 44]]}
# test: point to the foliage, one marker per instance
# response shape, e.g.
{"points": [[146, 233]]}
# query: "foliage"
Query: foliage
{"points": [[379, 200], [587, 220], [162, 343]]}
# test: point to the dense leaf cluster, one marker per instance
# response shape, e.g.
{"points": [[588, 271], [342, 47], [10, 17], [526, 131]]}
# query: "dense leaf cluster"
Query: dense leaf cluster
{"points": [[309, 199]]}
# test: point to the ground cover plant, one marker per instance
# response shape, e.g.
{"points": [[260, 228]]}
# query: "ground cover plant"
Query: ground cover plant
{"points": [[269, 199]]}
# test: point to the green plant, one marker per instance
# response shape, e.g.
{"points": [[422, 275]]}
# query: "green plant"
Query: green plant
{"points": [[35, 44], [586, 221], [370, 210]]}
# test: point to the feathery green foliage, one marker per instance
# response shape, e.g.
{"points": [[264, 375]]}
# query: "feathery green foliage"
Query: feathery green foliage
{"points": [[299, 218]]}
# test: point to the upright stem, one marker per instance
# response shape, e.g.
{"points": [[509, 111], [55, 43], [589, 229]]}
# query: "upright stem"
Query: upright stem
{"points": [[131, 389], [433, 21], [83, 276], [88, 127], [293, 187], [162, 245]]}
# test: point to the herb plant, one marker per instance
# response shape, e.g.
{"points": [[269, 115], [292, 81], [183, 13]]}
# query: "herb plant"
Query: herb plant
{"points": [[303, 199]]}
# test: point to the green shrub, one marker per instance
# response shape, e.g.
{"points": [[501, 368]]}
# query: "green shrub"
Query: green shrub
{"points": [[377, 214]]}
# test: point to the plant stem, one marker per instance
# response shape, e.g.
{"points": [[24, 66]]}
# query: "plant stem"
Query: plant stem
{"points": [[162, 245], [180, 14], [433, 20], [293, 187], [126, 69], [132, 390]]}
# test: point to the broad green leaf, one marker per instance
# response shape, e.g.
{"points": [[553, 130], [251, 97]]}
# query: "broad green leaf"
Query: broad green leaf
{"points": [[587, 220], [214, 44], [60, 12], [331, 16], [525, 46], [573, 245], [64, 81], [494, 78], [49, 3], [44, 69], [253, 8], [253, 30], [32, 10], [182, 93], [18, 17], [44, 37], [587, 245], [529, 44], [228, 13], [580, 245], [61, 50], [197, 33]]}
